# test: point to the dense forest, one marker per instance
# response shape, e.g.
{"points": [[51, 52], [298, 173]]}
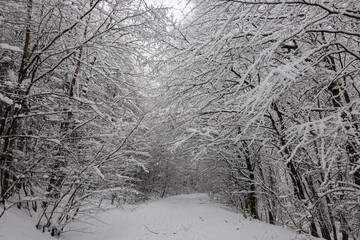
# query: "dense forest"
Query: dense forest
{"points": [[256, 102]]}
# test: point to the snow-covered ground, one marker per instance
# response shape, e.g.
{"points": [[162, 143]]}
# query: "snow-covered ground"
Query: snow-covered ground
{"points": [[184, 217]]}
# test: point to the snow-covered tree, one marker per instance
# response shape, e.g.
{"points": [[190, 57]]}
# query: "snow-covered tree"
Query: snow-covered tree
{"points": [[72, 104], [280, 77]]}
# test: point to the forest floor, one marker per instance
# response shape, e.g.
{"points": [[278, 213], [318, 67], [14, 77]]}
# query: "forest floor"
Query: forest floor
{"points": [[183, 217]]}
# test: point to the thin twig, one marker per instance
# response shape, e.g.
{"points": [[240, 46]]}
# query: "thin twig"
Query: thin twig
{"points": [[150, 230]]}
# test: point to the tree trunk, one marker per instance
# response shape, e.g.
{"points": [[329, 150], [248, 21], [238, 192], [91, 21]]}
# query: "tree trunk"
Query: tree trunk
{"points": [[251, 196]]}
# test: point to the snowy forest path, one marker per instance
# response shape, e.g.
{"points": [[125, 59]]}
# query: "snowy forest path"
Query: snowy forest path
{"points": [[183, 217]]}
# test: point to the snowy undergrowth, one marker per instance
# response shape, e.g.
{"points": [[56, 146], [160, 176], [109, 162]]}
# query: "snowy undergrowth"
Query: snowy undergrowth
{"points": [[183, 217]]}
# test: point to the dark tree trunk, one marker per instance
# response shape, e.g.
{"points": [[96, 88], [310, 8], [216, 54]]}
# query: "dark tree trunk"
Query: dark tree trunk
{"points": [[313, 229], [251, 196]]}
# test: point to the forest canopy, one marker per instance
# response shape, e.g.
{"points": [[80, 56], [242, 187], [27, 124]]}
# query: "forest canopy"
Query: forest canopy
{"points": [[256, 102]]}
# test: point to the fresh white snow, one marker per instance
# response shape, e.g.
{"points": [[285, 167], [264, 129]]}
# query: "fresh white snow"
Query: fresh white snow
{"points": [[185, 217], [9, 47], [6, 99]]}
